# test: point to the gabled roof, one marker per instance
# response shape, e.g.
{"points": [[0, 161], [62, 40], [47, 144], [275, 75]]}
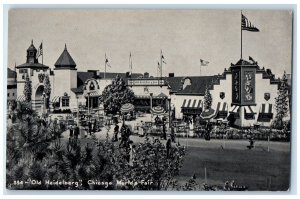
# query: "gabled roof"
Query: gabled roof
{"points": [[11, 73], [65, 60], [175, 83], [198, 85], [82, 77]]}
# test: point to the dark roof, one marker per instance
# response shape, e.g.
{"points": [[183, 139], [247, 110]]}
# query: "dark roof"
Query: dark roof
{"points": [[65, 60], [175, 83], [198, 85], [11, 73], [33, 65], [77, 90], [31, 47], [243, 62], [83, 76]]}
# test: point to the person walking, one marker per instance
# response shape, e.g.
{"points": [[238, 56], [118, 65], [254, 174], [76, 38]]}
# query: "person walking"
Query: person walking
{"points": [[71, 131], [90, 127], [76, 132], [116, 132], [168, 146], [208, 129], [164, 128], [141, 130], [123, 136], [172, 134]]}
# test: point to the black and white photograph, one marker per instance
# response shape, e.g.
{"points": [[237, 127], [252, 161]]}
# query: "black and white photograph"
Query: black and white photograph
{"points": [[149, 99]]}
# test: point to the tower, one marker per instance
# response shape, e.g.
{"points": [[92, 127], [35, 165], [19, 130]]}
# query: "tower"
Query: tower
{"points": [[35, 72], [65, 78], [244, 89]]}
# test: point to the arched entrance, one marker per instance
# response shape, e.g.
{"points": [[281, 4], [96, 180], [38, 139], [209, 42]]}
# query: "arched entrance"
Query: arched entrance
{"points": [[39, 99]]}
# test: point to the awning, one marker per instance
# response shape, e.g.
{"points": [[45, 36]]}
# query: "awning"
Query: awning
{"points": [[21, 98], [191, 104], [222, 106], [234, 109], [55, 99], [222, 110], [265, 113], [249, 110], [265, 108]]}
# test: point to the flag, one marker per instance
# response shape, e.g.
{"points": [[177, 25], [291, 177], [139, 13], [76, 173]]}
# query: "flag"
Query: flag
{"points": [[203, 63], [251, 59], [158, 67], [163, 59], [246, 25], [106, 62], [40, 51]]}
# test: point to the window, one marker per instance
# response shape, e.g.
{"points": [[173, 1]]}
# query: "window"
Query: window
{"points": [[7, 94], [13, 94], [65, 102]]}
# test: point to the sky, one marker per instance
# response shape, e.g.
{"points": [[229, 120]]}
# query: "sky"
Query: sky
{"points": [[184, 36]]}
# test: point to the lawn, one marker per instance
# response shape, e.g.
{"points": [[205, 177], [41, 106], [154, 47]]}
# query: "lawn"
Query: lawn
{"points": [[257, 169], [230, 160]]}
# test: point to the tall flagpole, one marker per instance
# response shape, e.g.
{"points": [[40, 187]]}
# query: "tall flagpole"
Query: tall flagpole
{"points": [[105, 66], [160, 64], [15, 71], [42, 54], [200, 67], [241, 36], [130, 64]]}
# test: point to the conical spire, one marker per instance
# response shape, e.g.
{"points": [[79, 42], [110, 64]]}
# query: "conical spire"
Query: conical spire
{"points": [[65, 60]]}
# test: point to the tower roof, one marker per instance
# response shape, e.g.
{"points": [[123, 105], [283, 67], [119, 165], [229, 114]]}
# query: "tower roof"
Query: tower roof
{"points": [[31, 47], [65, 60]]}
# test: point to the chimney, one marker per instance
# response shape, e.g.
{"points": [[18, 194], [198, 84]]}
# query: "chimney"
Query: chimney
{"points": [[171, 74]]}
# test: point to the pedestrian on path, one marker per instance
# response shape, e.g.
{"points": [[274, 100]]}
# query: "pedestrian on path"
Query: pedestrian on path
{"points": [[168, 146], [71, 131], [116, 132], [76, 132]]}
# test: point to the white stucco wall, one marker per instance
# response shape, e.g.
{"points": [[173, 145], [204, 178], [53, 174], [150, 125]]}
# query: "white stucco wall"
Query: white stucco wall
{"points": [[262, 86], [64, 80], [226, 87]]}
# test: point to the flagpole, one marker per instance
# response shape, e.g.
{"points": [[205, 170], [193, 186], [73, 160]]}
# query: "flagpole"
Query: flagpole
{"points": [[105, 66], [42, 54], [160, 64], [130, 64], [15, 71], [241, 37], [200, 67]]}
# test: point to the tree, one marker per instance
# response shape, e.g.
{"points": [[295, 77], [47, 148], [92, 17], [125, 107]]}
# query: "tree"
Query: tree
{"points": [[47, 90], [27, 89], [207, 99], [115, 95], [28, 140], [281, 103]]}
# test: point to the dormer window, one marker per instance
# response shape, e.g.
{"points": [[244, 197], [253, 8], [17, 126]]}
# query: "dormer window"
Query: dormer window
{"points": [[92, 86]]}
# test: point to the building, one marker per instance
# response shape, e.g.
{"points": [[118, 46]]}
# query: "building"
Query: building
{"points": [[244, 94], [11, 86]]}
